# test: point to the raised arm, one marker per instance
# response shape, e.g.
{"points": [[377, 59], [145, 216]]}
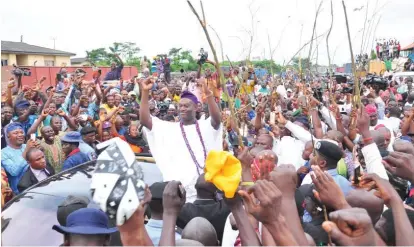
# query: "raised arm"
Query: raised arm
{"points": [[37, 123], [120, 60], [213, 108], [316, 122], [144, 112], [10, 86], [173, 200], [69, 120], [49, 99]]}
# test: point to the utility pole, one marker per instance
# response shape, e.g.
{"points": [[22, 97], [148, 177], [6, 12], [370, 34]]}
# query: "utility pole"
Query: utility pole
{"points": [[54, 42]]}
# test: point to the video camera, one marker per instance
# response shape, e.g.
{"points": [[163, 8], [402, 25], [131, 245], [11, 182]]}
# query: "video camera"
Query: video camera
{"points": [[203, 57], [18, 71]]}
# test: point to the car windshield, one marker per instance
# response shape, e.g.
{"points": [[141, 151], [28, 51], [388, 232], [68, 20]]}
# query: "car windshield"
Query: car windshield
{"points": [[34, 214], [29, 219]]}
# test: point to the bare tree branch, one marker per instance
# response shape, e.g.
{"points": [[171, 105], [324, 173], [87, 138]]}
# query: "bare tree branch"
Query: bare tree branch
{"points": [[301, 48], [313, 32]]}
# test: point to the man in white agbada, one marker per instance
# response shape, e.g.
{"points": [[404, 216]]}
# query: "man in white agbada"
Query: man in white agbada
{"points": [[180, 148]]}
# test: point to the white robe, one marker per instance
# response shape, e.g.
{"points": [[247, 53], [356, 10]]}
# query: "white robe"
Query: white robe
{"points": [[172, 156]]}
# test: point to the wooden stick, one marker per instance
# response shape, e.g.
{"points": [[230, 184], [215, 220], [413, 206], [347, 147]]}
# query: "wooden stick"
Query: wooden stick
{"points": [[356, 99], [329, 60], [300, 49], [363, 30], [203, 24], [221, 43], [313, 32], [325, 214]]}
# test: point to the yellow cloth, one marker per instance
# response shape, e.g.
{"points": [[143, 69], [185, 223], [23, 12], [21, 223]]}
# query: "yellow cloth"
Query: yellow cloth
{"points": [[224, 171]]}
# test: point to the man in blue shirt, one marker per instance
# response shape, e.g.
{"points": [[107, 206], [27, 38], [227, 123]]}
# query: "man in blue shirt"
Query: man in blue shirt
{"points": [[70, 146], [154, 225], [115, 73], [12, 160], [327, 156]]}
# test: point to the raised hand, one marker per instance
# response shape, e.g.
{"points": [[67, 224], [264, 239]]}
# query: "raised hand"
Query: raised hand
{"points": [[400, 164], [264, 165], [280, 118], [363, 122], [350, 227], [45, 113], [385, 191], [285, 178], [173, 198], [11, 83], [147, 84], [61, 113], [129, 231], [326, 189], [269, 199], [246, 159], [203, 82]]}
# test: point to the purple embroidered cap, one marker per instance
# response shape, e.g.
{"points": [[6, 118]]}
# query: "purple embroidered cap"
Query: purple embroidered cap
{"points": [[190, 96]]}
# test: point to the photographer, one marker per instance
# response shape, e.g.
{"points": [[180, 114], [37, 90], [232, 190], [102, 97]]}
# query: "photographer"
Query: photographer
{"points": [[212, 79]]}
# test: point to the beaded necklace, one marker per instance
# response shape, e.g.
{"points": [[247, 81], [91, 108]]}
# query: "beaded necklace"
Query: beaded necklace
{"points": [[189, 148]]}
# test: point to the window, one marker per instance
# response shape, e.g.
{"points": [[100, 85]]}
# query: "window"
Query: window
{"points": [[4, 62], [49, 63]]}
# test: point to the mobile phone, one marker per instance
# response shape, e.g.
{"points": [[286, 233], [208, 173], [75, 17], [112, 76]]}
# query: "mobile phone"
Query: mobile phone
{"points": [[33, 137], [180, 191], [357, 174]]}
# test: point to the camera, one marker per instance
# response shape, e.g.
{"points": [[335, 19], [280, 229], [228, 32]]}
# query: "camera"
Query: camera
{"points": [[163, 107], [203, 57]]}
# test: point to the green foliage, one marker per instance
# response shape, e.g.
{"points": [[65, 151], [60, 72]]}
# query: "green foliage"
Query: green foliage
{"points": [[304, 62], [98, 56], [373, 55], [269, 65], [180, 58], [128, 51]]}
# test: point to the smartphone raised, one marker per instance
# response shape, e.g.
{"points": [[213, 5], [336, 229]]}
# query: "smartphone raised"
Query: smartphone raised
{"points": [[357, 175]]}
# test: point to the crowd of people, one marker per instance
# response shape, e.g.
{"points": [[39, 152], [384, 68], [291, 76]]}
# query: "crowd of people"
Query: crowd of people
{"points": [[317, 165], [388, 49]]}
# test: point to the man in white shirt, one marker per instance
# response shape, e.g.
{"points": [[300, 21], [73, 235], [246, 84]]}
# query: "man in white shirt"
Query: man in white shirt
{"points": [[37, 171], [372, 112], [180, 148]]}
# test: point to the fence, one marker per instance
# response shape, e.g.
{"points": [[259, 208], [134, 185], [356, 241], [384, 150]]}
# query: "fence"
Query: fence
{"points": [[50, 74]]}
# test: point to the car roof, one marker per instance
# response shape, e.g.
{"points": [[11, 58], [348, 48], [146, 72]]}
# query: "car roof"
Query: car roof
{"points": [[33, 212]]}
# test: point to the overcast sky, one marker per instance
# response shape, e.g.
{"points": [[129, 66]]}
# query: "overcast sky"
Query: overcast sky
{"points": [[157, 25]]}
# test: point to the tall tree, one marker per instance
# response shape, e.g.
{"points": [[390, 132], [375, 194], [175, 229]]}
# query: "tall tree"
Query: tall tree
{"points": [[98, 56]]}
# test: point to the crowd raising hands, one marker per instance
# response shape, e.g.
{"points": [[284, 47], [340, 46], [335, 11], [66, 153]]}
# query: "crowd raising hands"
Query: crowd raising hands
{"points": [[316, 168]]}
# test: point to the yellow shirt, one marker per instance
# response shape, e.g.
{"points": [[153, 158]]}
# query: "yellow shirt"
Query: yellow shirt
{"points": [[108, 109]]}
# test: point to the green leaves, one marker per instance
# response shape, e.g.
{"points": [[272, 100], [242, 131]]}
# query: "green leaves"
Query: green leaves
{"points": [[128, 51]]}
